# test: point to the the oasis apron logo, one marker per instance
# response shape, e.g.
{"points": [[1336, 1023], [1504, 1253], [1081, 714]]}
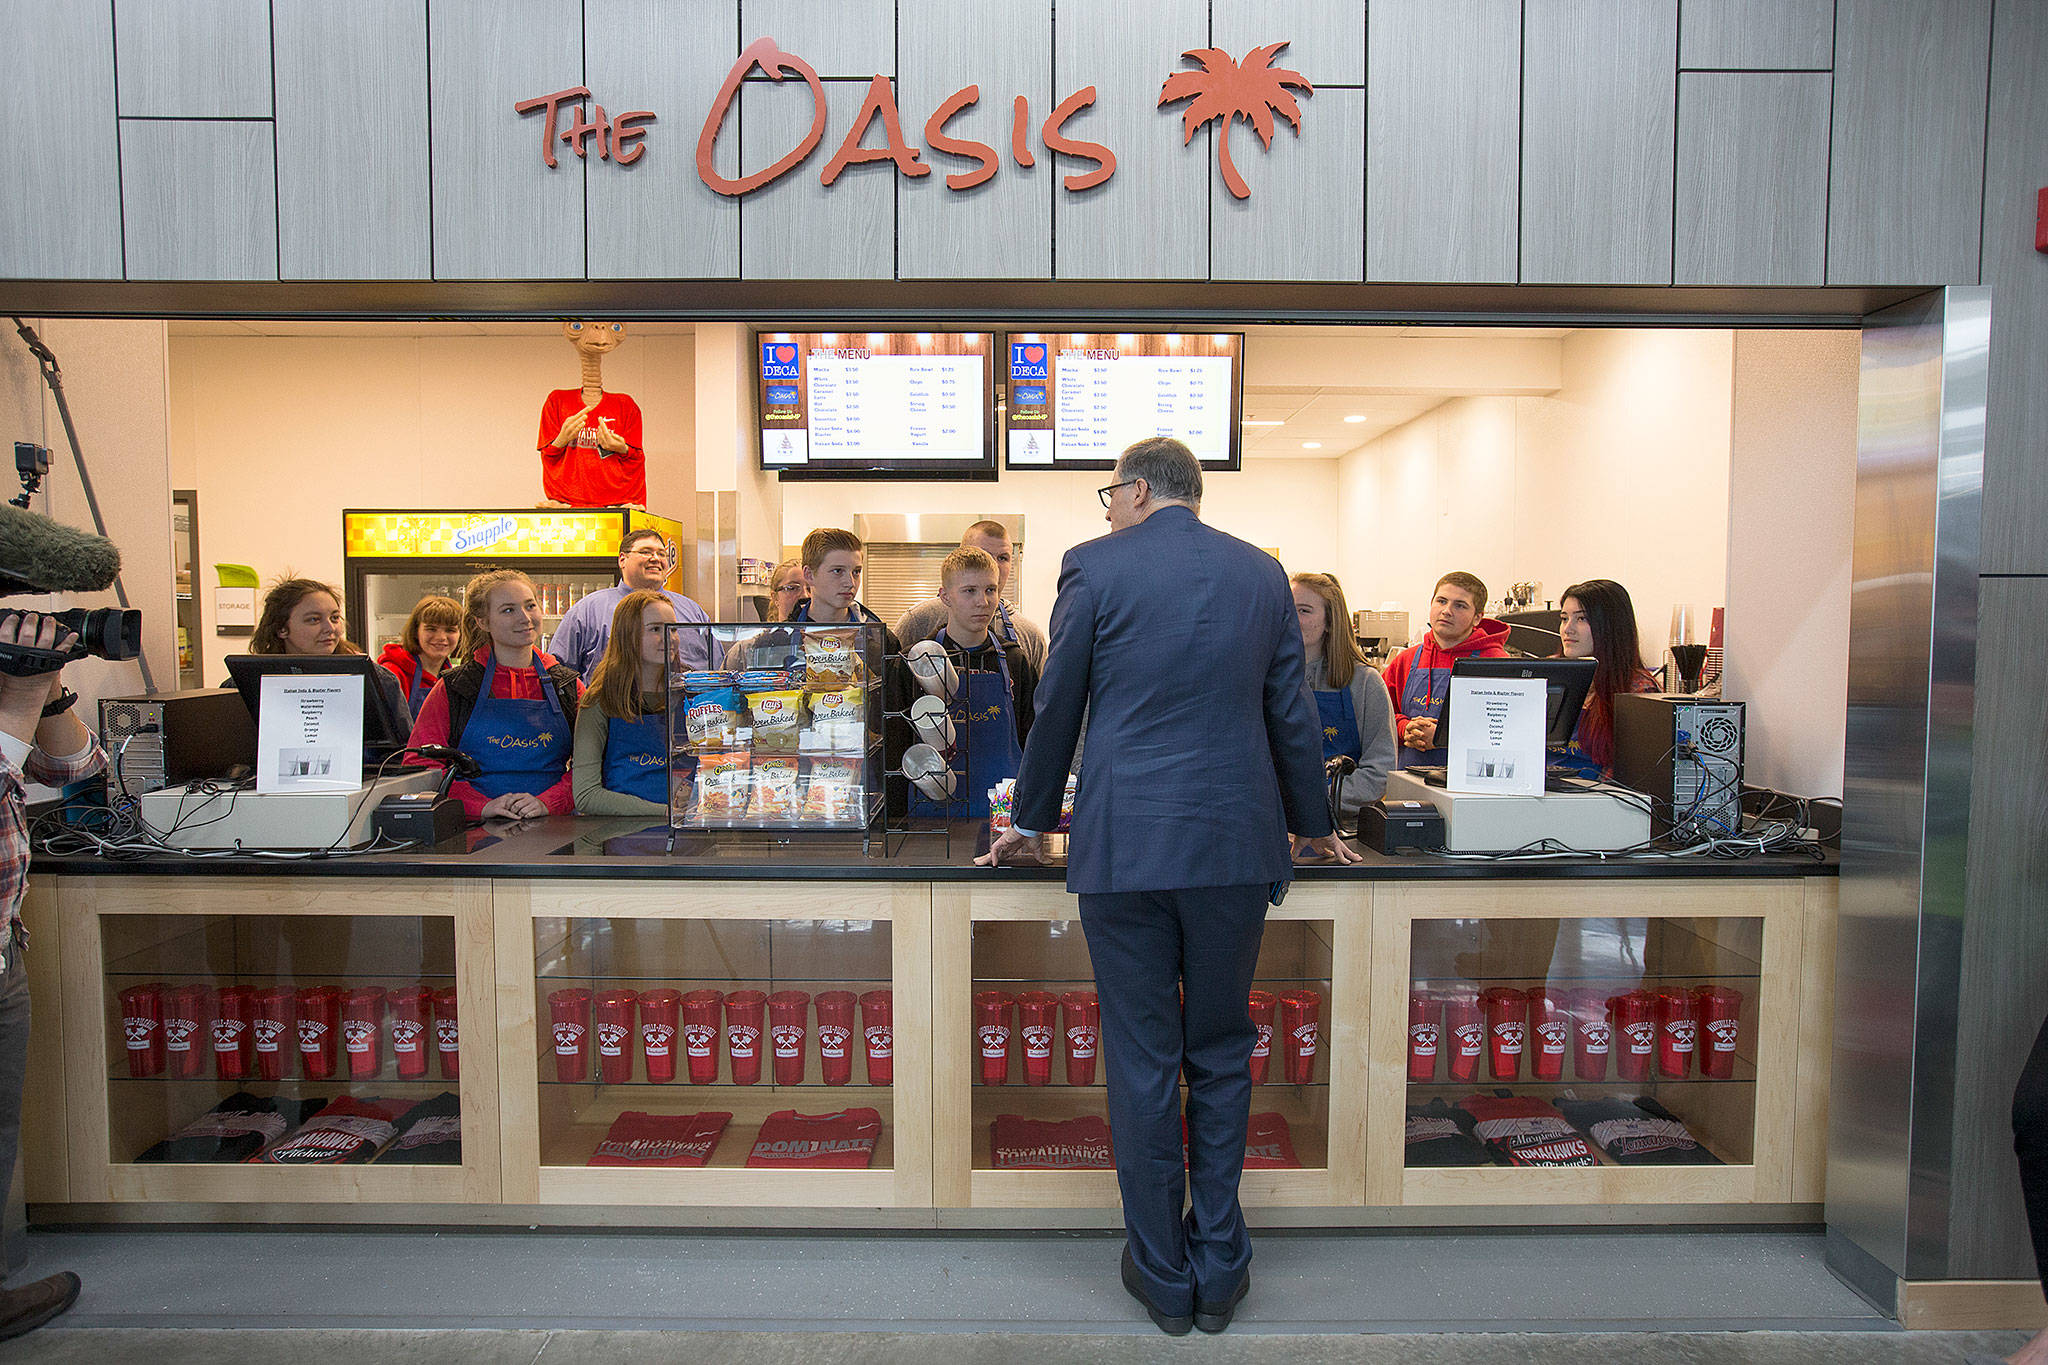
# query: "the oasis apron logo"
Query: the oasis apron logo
{"points": [[479, 534], [1223, 89]]}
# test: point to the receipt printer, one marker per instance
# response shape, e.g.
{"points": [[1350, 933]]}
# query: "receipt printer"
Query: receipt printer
{"points": [[1391, 825], [422, 818]]}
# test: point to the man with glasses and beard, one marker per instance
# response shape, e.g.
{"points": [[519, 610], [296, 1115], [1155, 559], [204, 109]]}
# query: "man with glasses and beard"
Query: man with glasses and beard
{"points": [[580, 639]]}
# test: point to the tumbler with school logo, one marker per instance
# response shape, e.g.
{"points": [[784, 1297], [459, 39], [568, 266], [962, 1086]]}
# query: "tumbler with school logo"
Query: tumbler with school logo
{"points": [[319, 1011], [362, 1031], [745, 1021], [835, 1035], [659, 1011], [569, 1017], [1507, 1031], [274, 1030], [447, 1034], [186, 1040], [142, 1028], [410, 1009], [1300, 1026], [788, 1022], [992, 1035], [1464, 1035], [1037, 1020], [1262, 1005], [612, 1023], [1550, 1033], [701, 1010], [1677, 1033], [1081, 1022], [878, 1030], [1592, 1036], [1425, 1028], [1634, 1014], [232, 1008], [1719, 1011]]}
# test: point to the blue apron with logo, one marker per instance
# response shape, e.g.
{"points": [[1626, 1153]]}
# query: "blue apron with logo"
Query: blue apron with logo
{"points": [[1340, 724], [1422, 698], [636, 758], [421, 686], [992, 752], [522, 745]]}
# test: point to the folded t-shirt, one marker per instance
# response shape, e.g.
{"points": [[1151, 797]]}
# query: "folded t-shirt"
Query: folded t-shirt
{"points": [[346, 1131], [843, 1141], [1268, 1145], [1439, 1135], [1020, 1144], [1638, 1132], [234, 1130], [1520, 1131], [638, 1139], [429, 1134]]}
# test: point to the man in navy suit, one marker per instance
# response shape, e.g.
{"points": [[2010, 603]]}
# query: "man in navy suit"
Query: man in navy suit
{"points": [[1204, 753]]}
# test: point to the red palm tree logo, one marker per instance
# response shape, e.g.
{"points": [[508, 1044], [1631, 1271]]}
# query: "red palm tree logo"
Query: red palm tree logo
{"points": [[1225, 89]]}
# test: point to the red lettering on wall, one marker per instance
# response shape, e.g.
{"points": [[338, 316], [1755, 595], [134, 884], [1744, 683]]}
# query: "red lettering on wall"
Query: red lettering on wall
{"points": [[626, 134], [880, 100], [935, 137], [776, 64], [579, 133], [553, 104], [1065, 146], [1020, 129]]}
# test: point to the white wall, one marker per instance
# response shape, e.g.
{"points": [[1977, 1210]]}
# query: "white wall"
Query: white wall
{"points": [[279, 434], [1282, 505]]}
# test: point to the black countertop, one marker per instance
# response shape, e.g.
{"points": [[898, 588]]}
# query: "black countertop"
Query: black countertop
{"points": [[573, 846]]}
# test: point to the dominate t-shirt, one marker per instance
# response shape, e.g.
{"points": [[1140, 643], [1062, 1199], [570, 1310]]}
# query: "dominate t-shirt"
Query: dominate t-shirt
{"points": [[841, 1141], [234, 1130], [1268, 1145], [347, 1131], [638, 1139], [1020, 1144]]}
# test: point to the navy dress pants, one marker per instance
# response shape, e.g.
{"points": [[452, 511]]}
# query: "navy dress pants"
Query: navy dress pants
{"points": [[1144, 946]]}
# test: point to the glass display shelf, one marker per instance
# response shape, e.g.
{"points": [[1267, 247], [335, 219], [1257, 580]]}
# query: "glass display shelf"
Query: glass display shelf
{"points": [[572, 1133], [1305, 1116]]}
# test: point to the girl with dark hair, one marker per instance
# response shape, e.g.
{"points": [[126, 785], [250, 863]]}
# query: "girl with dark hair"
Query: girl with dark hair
{"points": [[300, 616], [1599, 623], [621, 764]]}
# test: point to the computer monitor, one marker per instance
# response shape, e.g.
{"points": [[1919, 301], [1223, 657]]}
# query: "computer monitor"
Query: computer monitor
{"points": [[387, 721], [1566, 683], [1534, 634]]}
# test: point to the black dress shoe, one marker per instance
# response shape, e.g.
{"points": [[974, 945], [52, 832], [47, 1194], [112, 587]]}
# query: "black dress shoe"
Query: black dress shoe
{"points": [[29, 1307], [1214, 1317], [1171, 1324]]}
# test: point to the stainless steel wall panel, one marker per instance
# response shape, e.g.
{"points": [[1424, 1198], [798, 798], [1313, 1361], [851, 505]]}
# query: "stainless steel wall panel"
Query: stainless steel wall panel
{"points": [[2002, 995], [60, 188], [838, 37], [1151, 219], [1906, 796], [352, 204], [1598, 96], [1325, 38], [1001, 228], [1443, 128], [1752, 201], [199, 199], [1304, 219], [796, 228], [1906, 176], [193, 58], [2015, 474], [655, 218], [501, 213], [1780, 35]]}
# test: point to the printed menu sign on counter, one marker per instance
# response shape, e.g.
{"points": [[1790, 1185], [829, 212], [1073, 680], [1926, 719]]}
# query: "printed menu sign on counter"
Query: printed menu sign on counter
{"points": [[309, 734], [1076, 400], [903, 404]]}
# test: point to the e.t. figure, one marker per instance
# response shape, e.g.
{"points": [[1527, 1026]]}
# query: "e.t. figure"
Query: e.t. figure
{"points": [[590, 452]]}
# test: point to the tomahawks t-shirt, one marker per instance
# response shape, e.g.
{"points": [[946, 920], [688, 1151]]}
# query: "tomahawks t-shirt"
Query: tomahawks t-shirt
{"points": [[1020, 1144], [1520, 1131], [346, 1131], [639, 1139]]}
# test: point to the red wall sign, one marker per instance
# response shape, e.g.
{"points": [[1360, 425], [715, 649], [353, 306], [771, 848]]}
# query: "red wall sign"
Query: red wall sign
{"points": [[1222, 89]]}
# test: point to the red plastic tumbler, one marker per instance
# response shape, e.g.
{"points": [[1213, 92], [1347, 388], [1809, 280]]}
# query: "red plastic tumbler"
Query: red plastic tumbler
{"points": [[447, 1034], [1677, 1033], [877, 1014], [1425, 1030], [1592, 1036], [1550, 1034], [700, 1034], [233, 1007], [142, 1028], [745, 1015], [1081, 1021], [1037, 1022], [319, 1009], [1464, 1035], [788, 1021], [613, 1028], [411, 1007], [1634, 1016], [362, 1031], [1719, 1011], [569, 1016], [835, 1035], [1507, 1030], [660, 1012], [1300, 1024], [1262, 1005], [187, 1012], [992, 1034], [274, 1025]]}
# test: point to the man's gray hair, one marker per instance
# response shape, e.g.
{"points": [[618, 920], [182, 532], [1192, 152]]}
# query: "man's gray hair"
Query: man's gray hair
{"points": [[1167, 465]]}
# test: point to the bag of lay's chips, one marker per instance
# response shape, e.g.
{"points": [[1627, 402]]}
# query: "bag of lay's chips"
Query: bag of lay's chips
{"points": [[778, 720], [838, 721]]}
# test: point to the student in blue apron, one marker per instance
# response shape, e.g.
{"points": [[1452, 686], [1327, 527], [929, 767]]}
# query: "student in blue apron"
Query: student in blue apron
{"points": [[418, 657], [303, 616], [1419, 677], [508, 705], [992, 708], [1351, 699], [621, 764]]}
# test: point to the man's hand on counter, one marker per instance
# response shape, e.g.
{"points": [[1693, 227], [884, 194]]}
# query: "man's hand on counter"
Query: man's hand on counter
{"points": [[1329, 848], [1015, 848]]}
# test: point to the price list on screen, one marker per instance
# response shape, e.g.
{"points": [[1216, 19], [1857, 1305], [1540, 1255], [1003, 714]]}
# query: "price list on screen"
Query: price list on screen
{"points": [[869, 408], [1082, 400]]}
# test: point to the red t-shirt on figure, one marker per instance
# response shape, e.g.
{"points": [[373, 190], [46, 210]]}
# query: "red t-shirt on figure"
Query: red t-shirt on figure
{"points": [[582, 473]]}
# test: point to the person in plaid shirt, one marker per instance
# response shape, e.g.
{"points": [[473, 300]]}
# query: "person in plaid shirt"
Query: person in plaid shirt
{"points": [[41, 740]]}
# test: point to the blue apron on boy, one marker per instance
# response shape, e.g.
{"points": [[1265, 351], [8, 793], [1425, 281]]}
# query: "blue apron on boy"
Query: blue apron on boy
{"points": [[992, 752], [636, 757], [1340, 724], [1422, 698], [522, 744]]}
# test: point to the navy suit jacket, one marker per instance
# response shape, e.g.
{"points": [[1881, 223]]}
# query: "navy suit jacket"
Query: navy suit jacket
{"points": [[1204, 746]]}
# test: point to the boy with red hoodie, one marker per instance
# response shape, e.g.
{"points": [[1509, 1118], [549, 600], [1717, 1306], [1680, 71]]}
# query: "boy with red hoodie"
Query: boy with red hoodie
{"points": [[1419, 677]]}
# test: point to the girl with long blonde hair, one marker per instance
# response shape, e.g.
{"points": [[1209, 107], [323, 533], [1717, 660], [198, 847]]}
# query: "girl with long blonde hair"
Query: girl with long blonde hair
{"points": [[621, 765], [1356, 711]]}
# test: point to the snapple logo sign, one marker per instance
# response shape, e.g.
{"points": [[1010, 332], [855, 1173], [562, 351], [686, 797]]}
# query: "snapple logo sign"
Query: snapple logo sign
{"points": [[479, 534], [1222, 89]]}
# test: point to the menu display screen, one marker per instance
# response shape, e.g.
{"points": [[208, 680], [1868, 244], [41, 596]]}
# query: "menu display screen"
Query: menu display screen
{"points": [[1076, 400], [843, 405]]}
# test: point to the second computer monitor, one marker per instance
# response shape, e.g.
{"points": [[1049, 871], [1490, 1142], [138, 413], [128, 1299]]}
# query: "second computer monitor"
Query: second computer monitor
{"points": [[1565, 682]]}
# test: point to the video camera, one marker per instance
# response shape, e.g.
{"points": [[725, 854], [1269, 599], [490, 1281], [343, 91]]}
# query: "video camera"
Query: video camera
{"points": [[38, 555]]}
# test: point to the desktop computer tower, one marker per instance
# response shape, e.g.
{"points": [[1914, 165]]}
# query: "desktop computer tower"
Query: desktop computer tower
{"points": [[152, 742], [1685, 753]]}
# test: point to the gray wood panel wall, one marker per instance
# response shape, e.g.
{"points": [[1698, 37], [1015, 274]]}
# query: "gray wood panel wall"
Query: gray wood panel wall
{"points": [[1302, 221], [352, 203], [1325, 38], [1598, 88], [1906, 175], [193, 58], [853, 38], [1752, 203], [796, 228], [60, 178], [199, 199], [1756, 35]]}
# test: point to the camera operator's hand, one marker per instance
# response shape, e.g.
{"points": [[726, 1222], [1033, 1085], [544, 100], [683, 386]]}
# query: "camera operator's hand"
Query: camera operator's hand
{"points": [[22, 699]]}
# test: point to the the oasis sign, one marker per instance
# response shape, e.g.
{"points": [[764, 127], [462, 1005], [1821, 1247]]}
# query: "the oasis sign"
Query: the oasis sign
{"points": [[1219, 89]]}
